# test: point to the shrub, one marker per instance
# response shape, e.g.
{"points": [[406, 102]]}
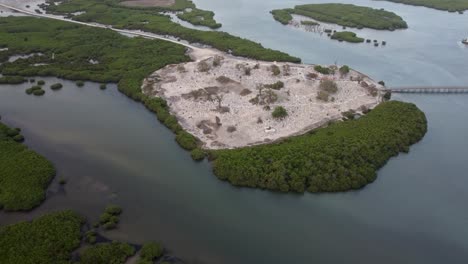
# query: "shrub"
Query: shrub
{"points": [[275, 70], [186, 140], [198, 154], [56, 86], [109, 225], [18, 138], [279, 112], [312, 75], [105, 218], [203, 66], [32, 89], [329, 86], [40, 82], [79, 83], [113, 210], [381, 83], [151, 251], [344, 69], [38, 92], [322, 70], [387, 96], [276, 86], [102, 86], [247, 71], [322, 96], [217, 60]]}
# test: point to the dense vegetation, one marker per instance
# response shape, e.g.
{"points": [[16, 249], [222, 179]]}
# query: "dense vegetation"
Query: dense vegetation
{"points": [[189, 12], [342, 156], [344, 14], [151, 251], [105, 253], [124, 60], [448, 5], [24, 174], [12, 80], [106, 12], [47, 239], [200, 18], [347, 36], [110, 218]]}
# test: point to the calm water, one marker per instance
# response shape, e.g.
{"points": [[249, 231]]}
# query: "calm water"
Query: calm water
{"points": [[112, 150]]}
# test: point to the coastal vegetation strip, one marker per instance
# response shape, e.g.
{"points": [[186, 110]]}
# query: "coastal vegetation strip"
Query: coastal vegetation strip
{"points": [[68, 48], [446, 5], [340, 157], [345, 15], [187, 10], [108, 13], [24, 174], [47, 239]]}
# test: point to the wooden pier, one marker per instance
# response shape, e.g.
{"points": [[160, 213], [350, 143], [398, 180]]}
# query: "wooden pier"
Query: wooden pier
{"points": [[428, 89]]}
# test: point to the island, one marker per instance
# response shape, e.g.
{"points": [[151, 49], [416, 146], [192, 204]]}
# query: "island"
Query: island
{"points": [[451, 6], [346, 15]]}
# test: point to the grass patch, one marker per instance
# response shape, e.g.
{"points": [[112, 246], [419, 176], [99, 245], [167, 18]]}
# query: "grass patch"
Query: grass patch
{"points": [[47, 239], [340, 157], [24, 174], [347, 36], [347, 15]]}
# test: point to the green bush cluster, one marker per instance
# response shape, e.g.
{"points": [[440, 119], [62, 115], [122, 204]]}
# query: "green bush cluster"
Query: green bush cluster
{"points": [[340, 157], [105, 253], [32, 89], [344, 69], [451, 6], [347, 36], [151, 251], [328, 86], [12, 80], [110, 218], [347, 15], [102, 86], [56, 86], [90, 237], [40, 82], [279, 113], [323, 70], [276, 86], [107, 12], [24, 174], [198, 154], [48, 239]]}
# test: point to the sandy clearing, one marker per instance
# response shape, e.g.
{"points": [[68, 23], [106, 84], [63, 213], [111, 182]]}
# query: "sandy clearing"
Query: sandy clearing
{"points": [[222, 113]]}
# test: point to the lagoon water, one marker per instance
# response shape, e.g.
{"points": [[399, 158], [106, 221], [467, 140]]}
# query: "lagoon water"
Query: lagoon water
{"points": [[112, 150]]}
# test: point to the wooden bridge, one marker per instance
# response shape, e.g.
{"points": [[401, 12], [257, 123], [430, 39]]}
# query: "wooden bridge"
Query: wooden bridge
{"points": [[428, 89]]}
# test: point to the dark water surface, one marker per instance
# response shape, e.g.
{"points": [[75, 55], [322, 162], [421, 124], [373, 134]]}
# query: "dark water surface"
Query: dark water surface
{"points": [[112, 150]]}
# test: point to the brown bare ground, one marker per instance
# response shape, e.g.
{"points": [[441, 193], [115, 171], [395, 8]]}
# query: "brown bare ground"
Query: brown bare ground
{"points": [[148, 3]]}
